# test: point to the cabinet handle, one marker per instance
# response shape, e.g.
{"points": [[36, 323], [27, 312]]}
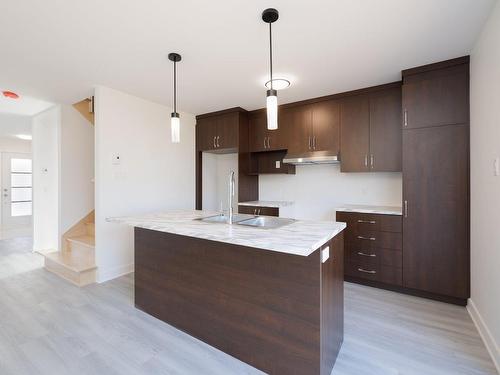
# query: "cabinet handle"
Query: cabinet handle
{"points": [[309, 143], [265, 142], [367, 221], [314, 142], [367, 238], [371, 160], [365, 271], [258, 211], [255, 211], [406, 208], [218, 145], [405, 117], [367, 255], [215, 146], [366, 160], [268, 142]]}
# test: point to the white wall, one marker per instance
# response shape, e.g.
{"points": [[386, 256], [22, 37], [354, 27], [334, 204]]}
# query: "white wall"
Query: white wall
{"points": [[154, 174], [76, 167], [11, 124], [215, 177], [318, 189], [45, 148], [485, 186]]}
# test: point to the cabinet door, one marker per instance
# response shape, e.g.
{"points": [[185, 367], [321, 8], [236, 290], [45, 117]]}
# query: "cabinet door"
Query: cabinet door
{"points": [[258, 132], [296, 124], [385, 131], [436, 223], [436, 98], [206, 130], [354, 133], [326, 126], [227, 131]]}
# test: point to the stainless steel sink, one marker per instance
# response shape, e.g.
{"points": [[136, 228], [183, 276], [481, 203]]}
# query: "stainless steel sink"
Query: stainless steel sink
{"points": [[223, 218], [266, 222]]}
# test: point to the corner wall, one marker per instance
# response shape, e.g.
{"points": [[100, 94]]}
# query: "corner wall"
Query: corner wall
{"points": [[45, 150], [76, 167], [484, 304], [153, 174]]}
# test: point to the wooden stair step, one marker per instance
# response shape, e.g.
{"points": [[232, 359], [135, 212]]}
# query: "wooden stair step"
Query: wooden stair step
{"points": [[76, 266], [86, 240], [90, 229]]}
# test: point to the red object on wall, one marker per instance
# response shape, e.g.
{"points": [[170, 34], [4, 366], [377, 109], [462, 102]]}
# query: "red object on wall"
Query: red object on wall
{"points": [[10, 94]]}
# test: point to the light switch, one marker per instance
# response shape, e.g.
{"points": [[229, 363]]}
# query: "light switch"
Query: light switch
{"points": [[116, 159], [496, 166], [278, 164]]}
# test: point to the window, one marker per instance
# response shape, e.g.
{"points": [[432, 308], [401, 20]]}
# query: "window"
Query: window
{"points": [[21, 187]]}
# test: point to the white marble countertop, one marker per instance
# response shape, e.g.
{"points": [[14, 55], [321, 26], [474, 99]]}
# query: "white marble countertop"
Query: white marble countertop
{"points": [[299, 238], [266, 203], [385, 210]]}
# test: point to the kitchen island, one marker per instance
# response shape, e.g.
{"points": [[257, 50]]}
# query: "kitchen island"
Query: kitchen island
{"points": [[272, 298]]}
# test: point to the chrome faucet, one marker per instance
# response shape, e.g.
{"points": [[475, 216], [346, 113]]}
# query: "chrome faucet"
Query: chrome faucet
{"points": [[230, 198]]}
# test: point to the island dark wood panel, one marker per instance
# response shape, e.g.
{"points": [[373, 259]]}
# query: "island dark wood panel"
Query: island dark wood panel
{"points": [[280, 313]]}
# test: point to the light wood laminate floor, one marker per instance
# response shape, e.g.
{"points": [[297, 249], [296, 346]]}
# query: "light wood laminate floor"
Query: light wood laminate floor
{"points": [[48, 326]]}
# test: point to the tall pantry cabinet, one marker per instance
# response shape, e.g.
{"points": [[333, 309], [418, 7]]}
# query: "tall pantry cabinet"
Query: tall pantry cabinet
{"points": [[436, 256]]}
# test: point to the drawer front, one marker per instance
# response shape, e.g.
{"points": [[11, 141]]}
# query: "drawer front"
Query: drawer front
{"points": [[363, 271], [383, 274], [256, 210], [374, 256], [358, 223], [370, 240]]}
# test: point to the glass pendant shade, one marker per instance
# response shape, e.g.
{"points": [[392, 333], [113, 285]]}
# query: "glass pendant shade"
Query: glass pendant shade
{"points": [[272, 109], [175, 128]]}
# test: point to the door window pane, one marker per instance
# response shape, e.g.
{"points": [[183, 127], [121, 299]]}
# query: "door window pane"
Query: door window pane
{"points": [[20, 180], [21, 208], [20, 165], [20, 194]]}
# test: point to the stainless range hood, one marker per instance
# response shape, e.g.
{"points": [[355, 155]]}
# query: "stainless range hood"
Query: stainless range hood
{"points": [[314, 157]]}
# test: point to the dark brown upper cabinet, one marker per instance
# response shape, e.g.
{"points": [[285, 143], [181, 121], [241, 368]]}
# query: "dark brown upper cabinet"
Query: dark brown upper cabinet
{"points": [[296, 126], [385, 131], [370, 131], [326, 126], [435, 99], [217, 133], [262, 139], [355, 133], [312, 127]]}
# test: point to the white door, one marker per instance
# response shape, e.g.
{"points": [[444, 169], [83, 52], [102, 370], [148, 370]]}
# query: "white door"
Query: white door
{"points": [[17, 190]]}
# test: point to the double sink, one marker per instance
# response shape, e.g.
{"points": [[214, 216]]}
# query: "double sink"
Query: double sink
{"points": [[265, 222]]}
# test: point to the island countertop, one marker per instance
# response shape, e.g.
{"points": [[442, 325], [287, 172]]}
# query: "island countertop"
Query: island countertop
{"points": [[302, 237]]}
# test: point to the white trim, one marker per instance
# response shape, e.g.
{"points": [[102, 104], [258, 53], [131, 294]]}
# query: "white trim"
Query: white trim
{"points": [[484, 332], [113, 273]]}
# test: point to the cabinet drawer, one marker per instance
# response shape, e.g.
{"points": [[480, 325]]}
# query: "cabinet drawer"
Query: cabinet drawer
{"points": [[358, 222], [371, 240], [383, 274], [259, 210], [374, 256]]}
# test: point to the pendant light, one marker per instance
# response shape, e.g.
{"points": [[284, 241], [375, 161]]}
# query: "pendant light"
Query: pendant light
{"points": [[175, 123], [269, 16]]}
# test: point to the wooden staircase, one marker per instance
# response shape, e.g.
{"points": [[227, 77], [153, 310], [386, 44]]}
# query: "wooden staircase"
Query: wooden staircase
{"points": [[86, 108], [76, 260]]}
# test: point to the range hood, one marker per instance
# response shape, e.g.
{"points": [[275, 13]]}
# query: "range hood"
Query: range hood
{"points": [[314, 157]]}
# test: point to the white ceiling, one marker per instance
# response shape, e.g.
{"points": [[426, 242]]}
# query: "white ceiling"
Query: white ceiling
{"points": [[24, 105], [12, 125], [58, 50]]}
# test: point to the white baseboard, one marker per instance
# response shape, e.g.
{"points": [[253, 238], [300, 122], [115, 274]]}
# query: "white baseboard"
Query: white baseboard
{"points": [[104, 275], [484, 332]]}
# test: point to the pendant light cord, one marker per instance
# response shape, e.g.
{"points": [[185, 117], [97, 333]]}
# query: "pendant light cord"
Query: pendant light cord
{"points": [[175, 87], [271, 54]]}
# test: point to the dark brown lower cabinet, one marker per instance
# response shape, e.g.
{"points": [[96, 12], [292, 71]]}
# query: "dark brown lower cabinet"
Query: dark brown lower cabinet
{"points": [[259, 210], [281, 313], [373, 248], [436, 219]]}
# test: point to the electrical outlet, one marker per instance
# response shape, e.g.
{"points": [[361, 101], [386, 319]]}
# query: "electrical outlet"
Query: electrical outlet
{"points": [[278, 164], [116, 160], [496, 166]]}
